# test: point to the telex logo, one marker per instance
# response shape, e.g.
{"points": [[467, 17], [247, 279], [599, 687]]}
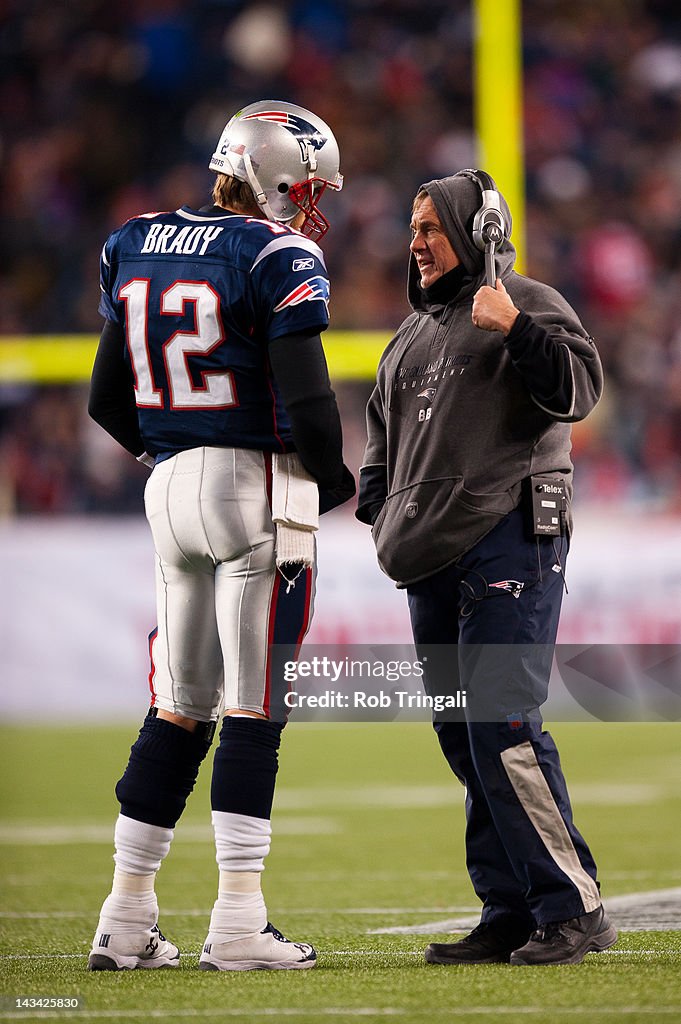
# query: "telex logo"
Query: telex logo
{"points": [[315, 288]]}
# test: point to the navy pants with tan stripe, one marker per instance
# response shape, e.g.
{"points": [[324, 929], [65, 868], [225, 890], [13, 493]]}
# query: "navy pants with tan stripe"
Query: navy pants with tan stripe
{"points": [[487, 625]]}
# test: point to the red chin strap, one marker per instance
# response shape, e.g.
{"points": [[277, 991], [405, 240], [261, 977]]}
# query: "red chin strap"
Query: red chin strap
{"points": [[305, 195]]}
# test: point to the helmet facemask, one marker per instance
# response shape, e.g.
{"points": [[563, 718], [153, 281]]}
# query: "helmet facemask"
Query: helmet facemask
{"points": [[305, 195]]}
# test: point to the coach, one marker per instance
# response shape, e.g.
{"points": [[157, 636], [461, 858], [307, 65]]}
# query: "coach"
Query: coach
{"points": [[470, 416]]}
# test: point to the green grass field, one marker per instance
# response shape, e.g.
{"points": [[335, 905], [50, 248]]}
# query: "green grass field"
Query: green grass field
{"points": [[368, 835]]}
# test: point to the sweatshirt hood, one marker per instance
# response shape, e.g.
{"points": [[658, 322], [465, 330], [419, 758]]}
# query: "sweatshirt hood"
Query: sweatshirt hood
{"points": [[457, 199]]}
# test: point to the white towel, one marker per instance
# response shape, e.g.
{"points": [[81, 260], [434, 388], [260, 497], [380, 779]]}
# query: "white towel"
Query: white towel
{"points": [[295, 510]]}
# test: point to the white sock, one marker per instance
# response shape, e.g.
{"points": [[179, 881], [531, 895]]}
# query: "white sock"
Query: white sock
{"points": [[237, 912], [128, 913], [125, 884], [239, 881], [242, 842], [140, 847], [132, 905]]}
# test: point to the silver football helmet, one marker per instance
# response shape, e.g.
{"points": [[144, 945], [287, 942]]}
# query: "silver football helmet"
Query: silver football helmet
{"points": [[288, 156]]}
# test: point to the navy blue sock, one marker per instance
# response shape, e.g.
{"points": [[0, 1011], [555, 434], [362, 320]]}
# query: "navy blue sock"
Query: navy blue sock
{"points": [[162, 769], [245, 766]]}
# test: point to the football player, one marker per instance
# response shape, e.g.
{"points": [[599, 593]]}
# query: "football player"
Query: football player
{"points": [[210, 369]]}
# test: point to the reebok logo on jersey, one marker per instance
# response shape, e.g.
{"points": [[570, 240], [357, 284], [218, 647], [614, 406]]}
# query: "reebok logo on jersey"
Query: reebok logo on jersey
{"points": [[315, 288], [303, 265]]}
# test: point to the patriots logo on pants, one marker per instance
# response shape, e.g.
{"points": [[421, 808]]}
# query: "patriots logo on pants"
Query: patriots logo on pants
{"points": [[315, 288], [514, 587]]}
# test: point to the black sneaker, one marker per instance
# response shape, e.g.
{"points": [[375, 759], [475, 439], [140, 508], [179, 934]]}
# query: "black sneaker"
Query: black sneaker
{"points": [[567, 942], [490, 943]]}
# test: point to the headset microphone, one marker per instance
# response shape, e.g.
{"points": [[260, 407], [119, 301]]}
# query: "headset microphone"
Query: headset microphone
{"points": [[490, 225]]}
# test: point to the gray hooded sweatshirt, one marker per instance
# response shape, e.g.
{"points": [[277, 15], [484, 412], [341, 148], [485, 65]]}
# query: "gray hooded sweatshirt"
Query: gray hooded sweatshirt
{"points": [[460, 416]]}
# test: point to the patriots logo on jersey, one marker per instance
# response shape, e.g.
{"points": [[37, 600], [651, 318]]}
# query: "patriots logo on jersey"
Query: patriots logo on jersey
{"points": [[304, 132], [315, 288]]}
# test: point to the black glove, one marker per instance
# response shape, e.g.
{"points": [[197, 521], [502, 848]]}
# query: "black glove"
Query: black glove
{"points": [[332, 497]]}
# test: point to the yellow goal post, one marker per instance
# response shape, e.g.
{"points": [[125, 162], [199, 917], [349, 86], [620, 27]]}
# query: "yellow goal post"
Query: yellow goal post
{"points": [[68, 358]]}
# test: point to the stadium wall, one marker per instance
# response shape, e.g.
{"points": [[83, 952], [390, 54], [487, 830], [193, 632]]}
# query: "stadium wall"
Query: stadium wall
{"points": [[77, 603]]}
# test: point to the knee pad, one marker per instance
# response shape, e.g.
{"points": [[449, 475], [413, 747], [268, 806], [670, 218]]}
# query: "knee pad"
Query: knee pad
{"points": [[245, 766], [161, 772]]}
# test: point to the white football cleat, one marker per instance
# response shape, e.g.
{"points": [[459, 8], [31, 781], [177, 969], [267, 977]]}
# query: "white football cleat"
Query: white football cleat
{"points": [[128, 950], [267, 950]]}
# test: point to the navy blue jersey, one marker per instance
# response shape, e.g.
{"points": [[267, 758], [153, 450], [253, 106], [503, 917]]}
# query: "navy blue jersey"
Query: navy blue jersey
{"points": [[200, 295]]}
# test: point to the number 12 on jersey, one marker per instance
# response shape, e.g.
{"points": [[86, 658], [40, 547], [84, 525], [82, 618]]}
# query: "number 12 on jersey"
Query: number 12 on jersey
{"points": [[217, 390]]}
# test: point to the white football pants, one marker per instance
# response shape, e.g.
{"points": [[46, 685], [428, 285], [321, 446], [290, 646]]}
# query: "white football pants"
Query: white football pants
{"points": [[221, 602]]}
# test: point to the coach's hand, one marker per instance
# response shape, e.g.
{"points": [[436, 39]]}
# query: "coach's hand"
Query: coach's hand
{"points": [[493, 309]]}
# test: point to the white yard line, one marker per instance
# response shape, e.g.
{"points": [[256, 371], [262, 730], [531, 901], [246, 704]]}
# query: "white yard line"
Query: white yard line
{"points": [[340, 798], [48, 915], [448, 794], [656, 910], [385, 954], [445, 925], [44, 834], [344, 1012], [419, 952]]}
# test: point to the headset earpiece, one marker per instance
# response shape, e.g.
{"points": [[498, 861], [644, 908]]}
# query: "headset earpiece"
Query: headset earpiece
{"points": [[490, 225]]}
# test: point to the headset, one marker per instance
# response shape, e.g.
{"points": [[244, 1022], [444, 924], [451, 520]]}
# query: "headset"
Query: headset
{"points": [[491, 226]]}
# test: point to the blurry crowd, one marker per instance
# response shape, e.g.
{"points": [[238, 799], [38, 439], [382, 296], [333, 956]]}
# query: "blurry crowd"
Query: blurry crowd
{"points": [[109, 110]]}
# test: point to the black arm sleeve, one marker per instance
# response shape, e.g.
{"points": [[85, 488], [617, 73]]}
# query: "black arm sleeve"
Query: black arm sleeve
{"points": [[373, 490], [112, 393], [299, 367], [544, 365]]}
